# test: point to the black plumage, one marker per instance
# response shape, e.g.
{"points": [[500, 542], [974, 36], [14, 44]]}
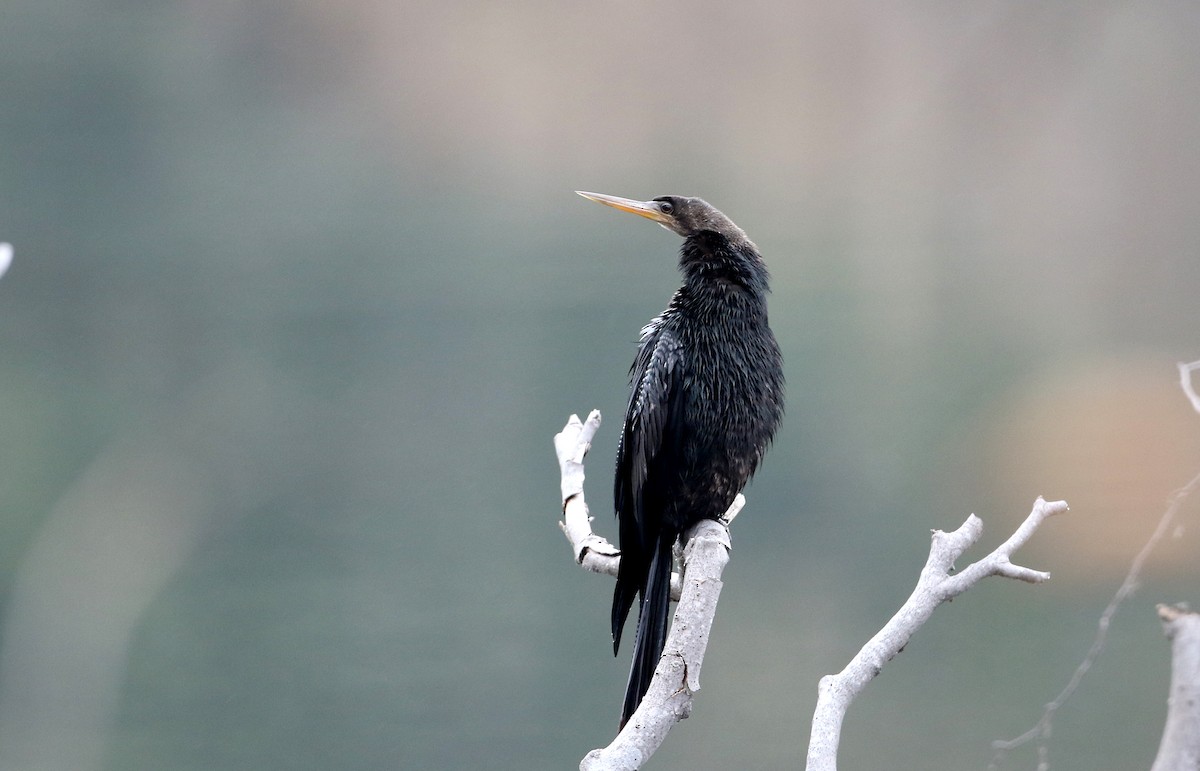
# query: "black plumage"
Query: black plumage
{"points": [[706, 395]]}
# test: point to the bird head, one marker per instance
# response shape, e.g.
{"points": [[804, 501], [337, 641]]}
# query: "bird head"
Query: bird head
{"points": [[681, 215]]}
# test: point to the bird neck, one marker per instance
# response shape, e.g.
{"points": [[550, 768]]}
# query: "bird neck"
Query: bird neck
{"points": [[721, 287], [714, 262]]}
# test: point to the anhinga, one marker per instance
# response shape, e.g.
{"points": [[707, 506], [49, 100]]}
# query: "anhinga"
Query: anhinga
{"points": [[706, 395]]}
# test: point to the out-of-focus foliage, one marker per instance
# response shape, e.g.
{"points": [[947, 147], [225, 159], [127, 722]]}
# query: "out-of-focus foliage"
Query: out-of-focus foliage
{"points": [[301, 294]]}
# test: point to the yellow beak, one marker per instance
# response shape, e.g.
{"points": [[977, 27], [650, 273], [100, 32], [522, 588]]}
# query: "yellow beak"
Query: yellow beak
{"points": [[647, 209]]}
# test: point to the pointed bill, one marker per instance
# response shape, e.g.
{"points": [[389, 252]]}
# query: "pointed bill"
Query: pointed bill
{"points": [[647, 209]]}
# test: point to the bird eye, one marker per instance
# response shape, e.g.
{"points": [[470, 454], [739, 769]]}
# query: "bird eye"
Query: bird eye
{"points": [[665, 207]]}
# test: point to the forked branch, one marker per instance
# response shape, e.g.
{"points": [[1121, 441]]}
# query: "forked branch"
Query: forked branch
{"points": [[936, 585]]}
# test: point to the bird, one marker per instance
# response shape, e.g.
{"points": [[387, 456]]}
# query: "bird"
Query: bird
{"points": [[706, 395]]}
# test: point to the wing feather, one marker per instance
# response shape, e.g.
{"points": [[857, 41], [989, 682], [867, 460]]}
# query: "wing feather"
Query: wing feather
{"points": [[654, 383], [646, 445]]}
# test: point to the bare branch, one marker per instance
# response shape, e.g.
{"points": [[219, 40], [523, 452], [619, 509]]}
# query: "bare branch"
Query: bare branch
{"points": [[705, 554], [1180, 746], [935, 586], [999, 563], [592, 552], [677, 677], [572, 445], [1185, 382]]}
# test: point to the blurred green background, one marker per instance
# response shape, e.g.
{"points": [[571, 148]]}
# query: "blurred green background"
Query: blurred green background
{"points": [[301, 294]]}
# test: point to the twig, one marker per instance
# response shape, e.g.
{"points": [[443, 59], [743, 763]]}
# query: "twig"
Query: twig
{"points": [[935, 586], [1185, 382]]}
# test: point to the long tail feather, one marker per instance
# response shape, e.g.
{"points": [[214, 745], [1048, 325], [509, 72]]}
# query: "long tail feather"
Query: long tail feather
{"points": [[653, 620], [631, 572]]}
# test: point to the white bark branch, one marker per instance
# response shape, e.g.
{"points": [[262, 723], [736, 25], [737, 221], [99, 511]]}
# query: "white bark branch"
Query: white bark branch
{"points": [[1180, 746], [592, 552], [936, 585], [677, 676], [705, 554], [572, 445], [1185, 382]]}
